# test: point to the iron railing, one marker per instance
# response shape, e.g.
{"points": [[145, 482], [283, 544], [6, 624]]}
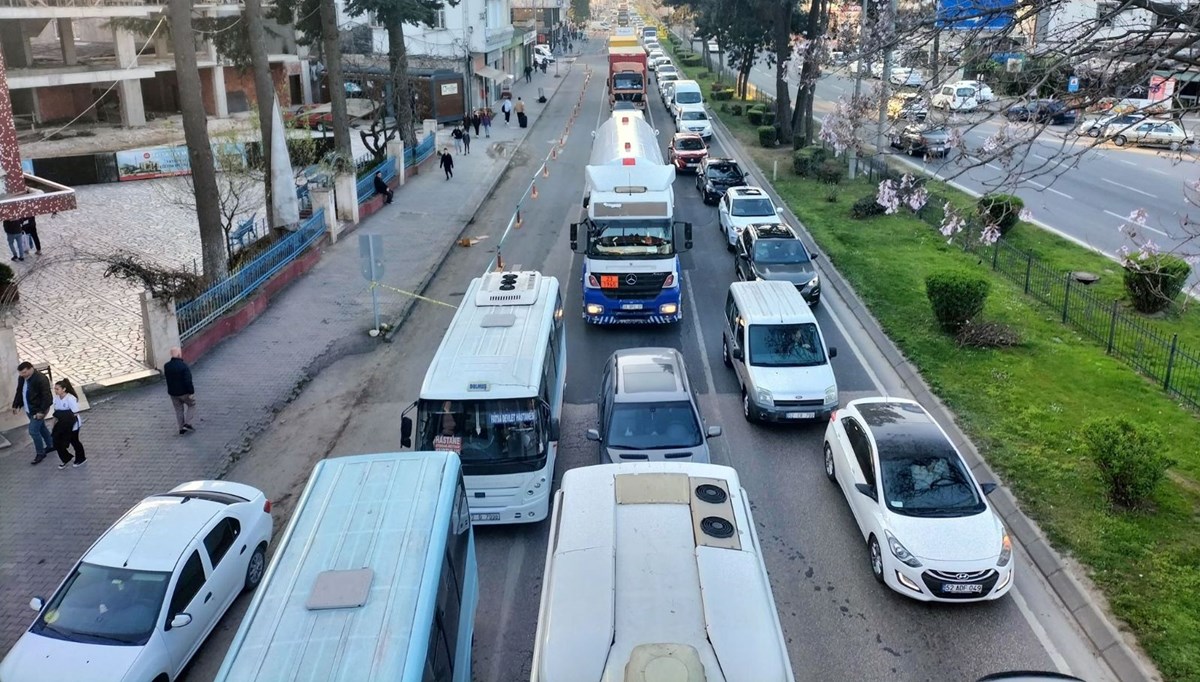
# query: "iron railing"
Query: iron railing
{"points": [[194, 315], [366, 183]]}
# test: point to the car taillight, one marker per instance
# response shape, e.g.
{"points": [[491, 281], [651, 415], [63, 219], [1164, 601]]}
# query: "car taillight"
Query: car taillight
{"points": [[669, 281], [267, 507], [833, 416], [592, 281]]}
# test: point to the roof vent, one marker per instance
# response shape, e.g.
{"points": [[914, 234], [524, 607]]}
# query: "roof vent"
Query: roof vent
{"points": [[716, 527], [508, 288], [712, 514], [340, 589], [710, 493], [664, 663]]}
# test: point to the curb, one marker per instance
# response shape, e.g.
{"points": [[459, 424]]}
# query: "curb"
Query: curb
{"points": [[410, 301], [1095, 623]]}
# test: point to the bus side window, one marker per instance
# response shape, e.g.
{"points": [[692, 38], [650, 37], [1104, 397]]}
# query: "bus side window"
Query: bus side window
{"points": [[438, 666]]}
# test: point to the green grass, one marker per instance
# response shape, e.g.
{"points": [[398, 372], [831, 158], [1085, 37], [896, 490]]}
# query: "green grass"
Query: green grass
{"points": [[1023, 406]]}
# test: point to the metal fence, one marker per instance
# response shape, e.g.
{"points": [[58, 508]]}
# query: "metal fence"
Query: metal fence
{"points": [[366, 183], [221, 297], [423, 150]]}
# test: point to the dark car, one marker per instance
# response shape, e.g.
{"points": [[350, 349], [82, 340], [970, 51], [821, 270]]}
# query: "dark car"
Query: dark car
{"points": [[687, 151], [774, 252], [922, 141], [715, 176], [1041, 111]]}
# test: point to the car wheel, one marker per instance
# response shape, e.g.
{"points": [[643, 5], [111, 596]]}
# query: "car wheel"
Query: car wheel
{"points": [[728, 244], [1174, 146], [748, 408], [876, 557], [1094, 132], [725, 353], [830, 472], [1120, 140], [257, 567]]}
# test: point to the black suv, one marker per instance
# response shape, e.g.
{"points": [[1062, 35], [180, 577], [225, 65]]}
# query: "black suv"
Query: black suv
{"points": [[773, 251], [715, 176]]}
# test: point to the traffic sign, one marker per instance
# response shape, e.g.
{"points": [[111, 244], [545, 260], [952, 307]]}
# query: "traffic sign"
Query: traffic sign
{"points": [[370, 253], [1073, 84]]}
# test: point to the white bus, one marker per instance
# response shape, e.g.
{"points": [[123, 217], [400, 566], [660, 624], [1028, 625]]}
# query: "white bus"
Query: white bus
{"points": [[494, 393], [375, 579], [655, 568]]}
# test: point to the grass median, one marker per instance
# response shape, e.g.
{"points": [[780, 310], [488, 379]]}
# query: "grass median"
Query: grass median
{"points": [[1023, 406]]}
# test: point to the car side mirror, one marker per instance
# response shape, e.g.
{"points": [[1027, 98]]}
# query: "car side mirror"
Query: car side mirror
{"points": [[987, 488], [813, 255], [714, 431], [779, 210], [832, 352], [37, 603], [865, 490], [593, 435], [405, 432], [180, 620], [738, 354]]}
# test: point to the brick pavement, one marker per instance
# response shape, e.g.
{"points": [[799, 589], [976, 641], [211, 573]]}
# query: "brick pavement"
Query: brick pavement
{"points": [[49, 517]]}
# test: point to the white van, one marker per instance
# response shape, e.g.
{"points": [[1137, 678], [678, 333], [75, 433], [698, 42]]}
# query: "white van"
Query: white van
{"points": [[687, 92], [775, 347], [956, 97]]}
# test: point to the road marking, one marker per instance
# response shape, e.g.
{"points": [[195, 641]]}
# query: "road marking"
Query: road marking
{"points": [[1129, 163], [516, 559], [1061, 194], [994, 167], [1160, 172], [1047, 188], [1125, 219], [694, 316], [1131, 189], [1038, 631]]}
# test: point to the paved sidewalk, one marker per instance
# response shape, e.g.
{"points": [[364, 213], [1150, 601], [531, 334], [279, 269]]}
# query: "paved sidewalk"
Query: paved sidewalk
{"points": [[49, 517]]}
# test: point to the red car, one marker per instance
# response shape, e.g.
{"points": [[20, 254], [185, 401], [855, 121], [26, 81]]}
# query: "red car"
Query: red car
{"points": [[686, 152]]}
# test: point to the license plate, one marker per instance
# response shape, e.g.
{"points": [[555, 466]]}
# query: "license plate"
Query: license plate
{"points": [[801, 415], [961, 589], [631, 306], [486, 517], [608, 282]]}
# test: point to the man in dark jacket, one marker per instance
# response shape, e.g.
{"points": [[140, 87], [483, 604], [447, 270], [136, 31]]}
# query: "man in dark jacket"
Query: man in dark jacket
{"points": [[15, 235], [179, 387], [33, 394], [381, 187]]}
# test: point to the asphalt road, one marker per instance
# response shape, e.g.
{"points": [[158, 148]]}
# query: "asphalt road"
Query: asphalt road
{"points": [[1076, 186], [839, 624]]}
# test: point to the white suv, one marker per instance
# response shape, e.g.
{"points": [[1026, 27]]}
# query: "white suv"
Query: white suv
{"points": [[743, 206], [145, 596]]}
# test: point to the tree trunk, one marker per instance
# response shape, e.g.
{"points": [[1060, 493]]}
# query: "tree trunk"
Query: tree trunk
{"points": [[331, 44], [264, 91], [195, 131], [802, 121], [783, 51], [398, 63]]}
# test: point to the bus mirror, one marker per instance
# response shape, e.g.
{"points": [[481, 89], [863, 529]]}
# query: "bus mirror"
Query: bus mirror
{"points": [[574, 237], [587, 199], [405, 432]]}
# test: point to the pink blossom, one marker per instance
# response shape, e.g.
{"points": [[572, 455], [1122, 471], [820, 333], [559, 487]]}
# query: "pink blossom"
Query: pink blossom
{"points": [[888, 197], [990, 234], [1025, 215], [952, 223], [1137, 217]]}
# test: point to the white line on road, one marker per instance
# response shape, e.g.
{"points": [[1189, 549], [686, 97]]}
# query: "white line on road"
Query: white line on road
{"points": [[1039, 631], [995, 167], [1129, 163], [1131, 189], [1125, 219], [1061, 194], [1047, 188], [516, 559], [693, 313]]}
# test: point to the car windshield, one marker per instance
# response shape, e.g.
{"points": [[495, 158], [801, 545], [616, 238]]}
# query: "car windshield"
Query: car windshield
{"points": [[752, 207], [932, 483], [105, 605], [653, 426], [667, 76], [780, 251], [965, 92], [667, 70], [694, 116], [627, 80], [724, 172], [630, 239], [689, 144], [484, 433], [687, 98], [785, 345]]}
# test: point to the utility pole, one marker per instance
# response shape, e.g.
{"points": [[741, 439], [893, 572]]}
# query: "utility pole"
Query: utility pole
{"points": [[886, 93]]}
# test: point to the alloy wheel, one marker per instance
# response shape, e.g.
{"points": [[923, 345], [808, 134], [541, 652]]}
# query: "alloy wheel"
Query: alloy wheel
{"points": [[876, 558], [830, 472]]}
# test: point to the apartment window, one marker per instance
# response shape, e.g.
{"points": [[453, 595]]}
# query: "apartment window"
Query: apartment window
{"points": [[439, 18]]}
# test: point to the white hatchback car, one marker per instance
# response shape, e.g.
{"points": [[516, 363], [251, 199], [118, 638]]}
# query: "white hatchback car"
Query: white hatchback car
{"points": [[744, 206], [145, 596], [693, 118], [910, 491]]}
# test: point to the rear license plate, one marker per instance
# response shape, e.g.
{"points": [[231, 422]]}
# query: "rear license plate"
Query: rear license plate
{"points": [[801, 415], [486, 517], [962, 589], [631, 306], [608, 282]]}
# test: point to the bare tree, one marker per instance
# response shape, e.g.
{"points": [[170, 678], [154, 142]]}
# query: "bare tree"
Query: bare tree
{"points": [[331, 43], [264, 90]]}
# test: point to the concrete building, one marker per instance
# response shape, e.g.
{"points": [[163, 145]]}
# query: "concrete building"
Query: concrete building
{"points": [[68, 60], [1063, 23]]}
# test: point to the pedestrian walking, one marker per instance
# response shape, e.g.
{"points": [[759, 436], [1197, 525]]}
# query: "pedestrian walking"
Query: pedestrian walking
{"points": [[522, 120], [180, 388], [466, 141], [66, 425], [475, 121], [447, 163], [486, 119], [528, 73], [33, 395], [16, 238], [457, 134], [570, 47], [381, 187], [29, 227], [505, 107], [545, 63]]}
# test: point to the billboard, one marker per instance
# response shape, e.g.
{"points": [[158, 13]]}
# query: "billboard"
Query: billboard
{"points": [[969, 15], [155, 162]]}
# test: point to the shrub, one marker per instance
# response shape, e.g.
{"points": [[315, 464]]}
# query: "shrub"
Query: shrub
{"points": [[1153, 283], [1129, 456], [866, 207], [755, 116], [722, 95], [806, 161], [6, 274], [957, 296], [831, 172], [735, 109], [766, 136], [690, 59], [704, 75], [1002, 210]]}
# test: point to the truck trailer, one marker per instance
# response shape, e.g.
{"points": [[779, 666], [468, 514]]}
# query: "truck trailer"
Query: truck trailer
{"points": [[627, 75]]}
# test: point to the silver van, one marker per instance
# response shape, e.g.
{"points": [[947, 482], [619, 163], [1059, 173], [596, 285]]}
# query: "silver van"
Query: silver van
{"points": [[774, 345], [647, 410]]}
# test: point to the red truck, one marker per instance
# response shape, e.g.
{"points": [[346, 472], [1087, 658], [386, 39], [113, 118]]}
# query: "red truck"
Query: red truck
{"points": [[627, 75]]}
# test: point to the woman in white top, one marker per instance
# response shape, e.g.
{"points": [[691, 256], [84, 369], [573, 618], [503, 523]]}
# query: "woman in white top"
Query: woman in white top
{"points": [[66, 424]]}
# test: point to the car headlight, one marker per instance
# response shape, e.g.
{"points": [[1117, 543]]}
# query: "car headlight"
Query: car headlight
{"points": [[831, 394], [765, 397], [814, 282], [1005, 550], [899, 551]]}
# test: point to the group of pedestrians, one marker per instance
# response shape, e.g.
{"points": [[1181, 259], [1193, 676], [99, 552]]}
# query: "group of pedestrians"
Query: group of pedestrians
{"points": [[22, 237]]}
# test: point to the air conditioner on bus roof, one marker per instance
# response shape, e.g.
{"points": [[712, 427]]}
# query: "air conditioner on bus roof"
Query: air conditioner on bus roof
{"points": [[509, 288]]}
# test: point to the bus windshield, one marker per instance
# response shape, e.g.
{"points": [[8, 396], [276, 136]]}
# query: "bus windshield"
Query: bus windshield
{"points": [[490, 436], [631, 239]]}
